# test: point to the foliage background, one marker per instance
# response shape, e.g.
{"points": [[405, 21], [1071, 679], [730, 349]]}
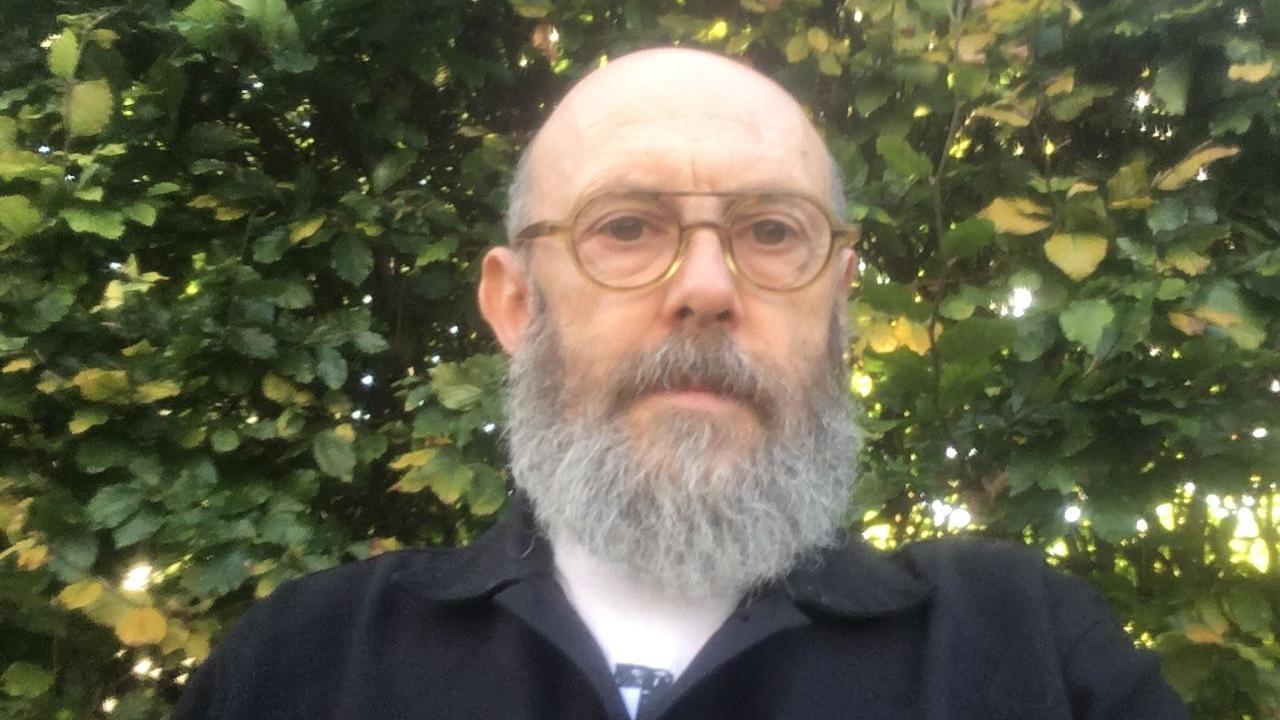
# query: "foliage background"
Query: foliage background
{"points": [[238, 343]]}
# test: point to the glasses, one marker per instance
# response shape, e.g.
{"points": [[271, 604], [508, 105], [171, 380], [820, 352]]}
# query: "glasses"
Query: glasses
{"points": [[778, 241]]}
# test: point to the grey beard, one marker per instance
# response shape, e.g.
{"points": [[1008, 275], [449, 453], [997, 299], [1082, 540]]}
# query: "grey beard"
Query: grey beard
{"points": [[669, 506]]}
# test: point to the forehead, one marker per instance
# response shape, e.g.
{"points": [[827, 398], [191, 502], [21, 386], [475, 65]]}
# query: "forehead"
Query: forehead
{"points": [[734, 132]]}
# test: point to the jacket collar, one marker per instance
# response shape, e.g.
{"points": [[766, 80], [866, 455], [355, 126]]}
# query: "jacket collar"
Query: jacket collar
{"points": [[851, 580]]}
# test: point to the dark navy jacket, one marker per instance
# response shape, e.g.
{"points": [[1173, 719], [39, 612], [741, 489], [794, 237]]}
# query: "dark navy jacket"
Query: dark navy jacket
{"points": [[956, 629]]}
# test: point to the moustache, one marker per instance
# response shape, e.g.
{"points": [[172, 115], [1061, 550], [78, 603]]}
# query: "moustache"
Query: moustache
{"points": [[687, 362]]}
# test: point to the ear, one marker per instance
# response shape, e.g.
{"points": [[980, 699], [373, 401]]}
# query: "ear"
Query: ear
{"points": [[504, 297], [848, 258]]}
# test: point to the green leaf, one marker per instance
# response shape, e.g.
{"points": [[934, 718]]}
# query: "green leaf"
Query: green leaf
{"points": [[1039, 470], [901, 158], [1084, 320], [970, 80], [968, 238], [141, 213], [253, 343], [87, 108], [453, 388], [976, 338], [18, 218], [111, 505], [352, 260], [331, 367], [450, 480], [392, 168], [64, 53], [224, 440], [1170, 87], [108, 224], [487, 491], [334, 454], [271, 246], [24, 680], [139, 527], [1249, 610], [1167, 215], [273, 21]]}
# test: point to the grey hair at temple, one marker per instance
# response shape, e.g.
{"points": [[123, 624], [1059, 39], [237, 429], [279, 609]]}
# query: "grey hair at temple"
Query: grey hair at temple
{"points": [[518, 214]]}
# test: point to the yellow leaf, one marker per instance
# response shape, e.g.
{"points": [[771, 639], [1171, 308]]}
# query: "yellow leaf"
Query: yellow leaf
{"points": [[973, 48], [85, 419], [1081, 187], [64, 53], [304, 229], [196, 646], [87, 107], [105, 38], [881, 338], [226, 214], [416, 458], [1076, 254], [380, 545], [829, 65], [158, 390], [18, 365], [1008, 115], [1189, 262], [346, 432], [1061, 84], [97, 384], [80, 594], [139, 348], [912, 335], [203, 201], [818, 39], [1250, 73], [1187, 168], [141, 626], [50, 383], [1187, 324], [1205, 634], [277, 389], [32, 557], [797, 48], [1216, 316], [1016, 216]]}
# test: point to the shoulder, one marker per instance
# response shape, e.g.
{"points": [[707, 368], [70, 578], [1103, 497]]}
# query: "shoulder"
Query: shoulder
{"points": [[1000, 583]]}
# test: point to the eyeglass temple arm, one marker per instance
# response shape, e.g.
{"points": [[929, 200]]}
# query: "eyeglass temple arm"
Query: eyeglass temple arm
{"points": [[539, 229]]}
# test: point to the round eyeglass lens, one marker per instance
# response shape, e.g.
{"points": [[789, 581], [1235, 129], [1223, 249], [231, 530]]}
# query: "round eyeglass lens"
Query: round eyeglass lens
{"points": [[626, 241], [779, 241]]}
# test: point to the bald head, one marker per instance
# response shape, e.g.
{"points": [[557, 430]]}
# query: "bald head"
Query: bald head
{"points": [[671, 119]]}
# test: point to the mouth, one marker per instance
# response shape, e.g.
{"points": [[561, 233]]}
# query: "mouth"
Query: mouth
{"points": [[697, 395]]}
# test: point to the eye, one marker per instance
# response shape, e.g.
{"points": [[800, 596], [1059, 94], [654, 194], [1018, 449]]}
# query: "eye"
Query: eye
{"points": [[770, 232], [627, 227]]}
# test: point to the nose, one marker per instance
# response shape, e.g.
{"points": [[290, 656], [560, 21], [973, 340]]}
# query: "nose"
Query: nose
{"points": [[703, 291]]}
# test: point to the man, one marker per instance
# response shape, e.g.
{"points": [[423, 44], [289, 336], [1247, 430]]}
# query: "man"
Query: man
{"points": [[680, 433]]}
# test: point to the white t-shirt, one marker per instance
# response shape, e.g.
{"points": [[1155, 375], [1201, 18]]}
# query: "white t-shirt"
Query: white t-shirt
{"points": [[634, 622]]}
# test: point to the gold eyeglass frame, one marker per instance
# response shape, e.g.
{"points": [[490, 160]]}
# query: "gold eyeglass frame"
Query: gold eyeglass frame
{"points": [[565, 230]]}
